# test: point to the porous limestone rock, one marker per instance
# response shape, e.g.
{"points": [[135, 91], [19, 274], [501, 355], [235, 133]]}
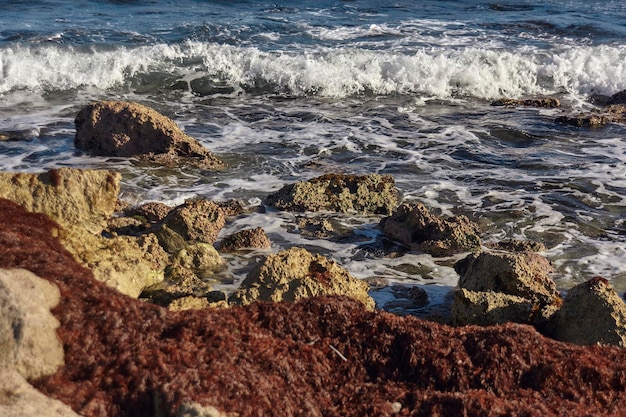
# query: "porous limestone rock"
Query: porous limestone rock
{"points": [[487, 307], [415, 227], [614, 113], [127, 129], [72, 197], [366, 194], [592, 313], [28, 339], [294, 274], [245, 239], [518, 245], [549, 102], [195, 221]]}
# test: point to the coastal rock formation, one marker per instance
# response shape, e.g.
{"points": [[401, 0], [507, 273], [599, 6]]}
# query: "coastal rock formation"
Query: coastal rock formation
{"points": [[127, 129], [245, 239], [294, 274], [499, 287], [592, 313], [549, 102], [516, 245], [318, 356], [366, 194], [415, 227], [613, 110]]}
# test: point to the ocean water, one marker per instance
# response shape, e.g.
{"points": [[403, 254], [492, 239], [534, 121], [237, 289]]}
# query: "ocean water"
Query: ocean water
{"points": [[287, 92]]}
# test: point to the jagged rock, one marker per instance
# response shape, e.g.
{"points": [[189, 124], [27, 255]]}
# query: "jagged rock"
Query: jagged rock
{"points": [[197, 303], [28, 340], [550, 102], [152, 212], [294, 274], [195, 221], [245, 239], [367, 194], [516, 245], [592, 313], [20, 399], [125, 357], [127, 129], [497, 284], [72, 197], [614, 113], [415, 227]]}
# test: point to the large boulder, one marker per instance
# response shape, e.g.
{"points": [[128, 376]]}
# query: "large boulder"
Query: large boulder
{"points": [[127, 129], [72, 197], [294, 274], [592, 313], [415, 227], [366, 194], [497, 287]]}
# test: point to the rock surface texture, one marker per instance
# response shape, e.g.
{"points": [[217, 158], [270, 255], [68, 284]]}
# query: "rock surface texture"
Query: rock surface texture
{"points": [[127, 129], [416, 228], [315, 357], [366, 194]]}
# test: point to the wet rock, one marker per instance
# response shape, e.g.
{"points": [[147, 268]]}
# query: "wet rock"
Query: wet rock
{"points": [[72, 197], [152, 212], [617, 98], [415, 227], [498, 283], [126, 129], [549, 102], [125, 357], [231, 208], [245, 239], [195, 221], [28, 340], [366, 194], [592, 313], [614, 113], [294, 274], [516, 245]]}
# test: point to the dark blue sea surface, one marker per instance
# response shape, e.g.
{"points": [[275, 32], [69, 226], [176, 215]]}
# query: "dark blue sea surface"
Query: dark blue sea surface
{"points": [[288, 91]]}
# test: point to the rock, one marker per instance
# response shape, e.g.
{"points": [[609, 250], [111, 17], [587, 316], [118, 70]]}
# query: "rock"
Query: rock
{"points": [[549, 102], [294, 274], [72, 197], [245, 239], [195, 221], [365, 194], [152, 212], [20, 399], [615, 113], [516, 245], [592, 313], [126, 129], [415, 227], [191, 409], [317, 228], [617, 98], [498, 284], [28, 340], [125, 357]]}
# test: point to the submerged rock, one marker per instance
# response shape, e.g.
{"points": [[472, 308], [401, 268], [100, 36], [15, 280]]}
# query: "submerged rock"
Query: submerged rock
{"points": [[592, 313], [321, 356], [366, 194], [549, 102], [127, 129], [415, 227], [294, 274]]}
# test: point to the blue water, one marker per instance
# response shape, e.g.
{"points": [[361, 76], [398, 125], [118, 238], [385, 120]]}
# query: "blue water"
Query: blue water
{"points": [[286, 92]]}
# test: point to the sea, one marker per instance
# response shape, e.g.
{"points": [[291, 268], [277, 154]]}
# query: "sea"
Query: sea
{"points": [[287, 91]]}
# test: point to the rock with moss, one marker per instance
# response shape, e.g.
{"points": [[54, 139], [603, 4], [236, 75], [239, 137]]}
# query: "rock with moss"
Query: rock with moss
{"points": [[294, 274], [365, 194], [415, 227], [245, 239], [127, 129], [592, 313]]}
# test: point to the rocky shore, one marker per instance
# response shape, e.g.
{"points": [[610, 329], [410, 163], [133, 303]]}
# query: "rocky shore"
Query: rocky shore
{"points": [[109, 310]]}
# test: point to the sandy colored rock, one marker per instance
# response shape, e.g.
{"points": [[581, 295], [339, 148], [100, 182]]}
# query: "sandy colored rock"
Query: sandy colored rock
{"points": [[415, 227], [152, 212], [294, 274], [195, 221], [191, 409], [20, 399], [28, 339], [72, 197], [366, 194], [127, 129], [549, 102], [245, 239], [485, 308], [592, 313]]}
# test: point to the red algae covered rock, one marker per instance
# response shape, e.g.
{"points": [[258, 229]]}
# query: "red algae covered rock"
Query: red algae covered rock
{"points": [[315, 357]]}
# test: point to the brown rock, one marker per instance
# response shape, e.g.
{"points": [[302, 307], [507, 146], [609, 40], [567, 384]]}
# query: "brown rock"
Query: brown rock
{"points": [[592, 313], [126, 129], [550, 102], [415, 227], [152, 212], [486, 308], [129, 358], [245, 239], [367, 194], [294, 274], [516, 245]]}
